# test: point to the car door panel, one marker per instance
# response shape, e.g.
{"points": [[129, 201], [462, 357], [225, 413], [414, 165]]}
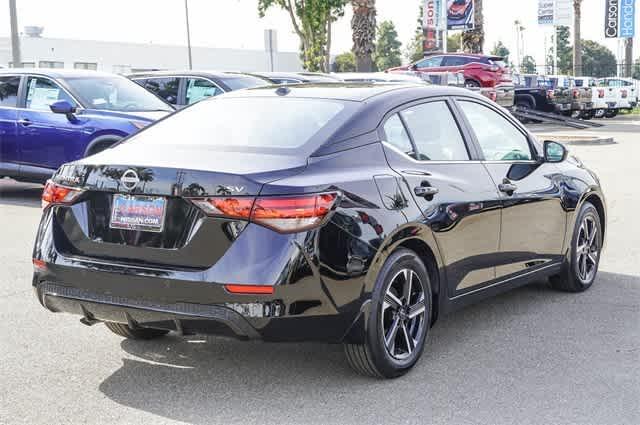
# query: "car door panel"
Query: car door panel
{"points": [[9, 153], [46, 139], [464, 211], [533, 218]]}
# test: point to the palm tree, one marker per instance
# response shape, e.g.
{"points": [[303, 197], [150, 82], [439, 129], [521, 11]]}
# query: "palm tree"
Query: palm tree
{"points": [[577, 41], [473, 40], [363, 32]]}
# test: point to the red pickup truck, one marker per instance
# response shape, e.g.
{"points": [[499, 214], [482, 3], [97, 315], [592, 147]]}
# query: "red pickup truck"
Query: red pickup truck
{"points": [[479, 70]]}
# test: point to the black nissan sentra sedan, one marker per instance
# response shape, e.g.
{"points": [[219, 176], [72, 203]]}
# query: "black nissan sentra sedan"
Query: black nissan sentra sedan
{"points": [[354, 214]]}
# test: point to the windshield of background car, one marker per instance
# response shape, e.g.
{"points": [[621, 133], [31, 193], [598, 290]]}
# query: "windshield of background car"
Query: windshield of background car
{"points": [[244, 82], [115, 94], [256, 124]]}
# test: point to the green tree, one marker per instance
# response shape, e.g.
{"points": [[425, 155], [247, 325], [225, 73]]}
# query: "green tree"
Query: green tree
{"points": [[311, 20], [387, 47], [597, 60], [453, 42], [499, 49], [363, 33], [528, 65], [565, 52], [346, 62]]}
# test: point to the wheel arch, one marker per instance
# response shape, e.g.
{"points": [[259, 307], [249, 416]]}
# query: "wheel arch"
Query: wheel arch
{"points": [[419, 239], [526, 98], [598, 203], [100, 140]]}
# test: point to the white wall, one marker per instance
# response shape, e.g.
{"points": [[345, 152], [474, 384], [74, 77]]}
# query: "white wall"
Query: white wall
{"points": [[114, 57]]}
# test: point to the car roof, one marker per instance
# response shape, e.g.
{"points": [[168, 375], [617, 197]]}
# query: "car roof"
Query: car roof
{"points": [[57, 73], [198, 73]]}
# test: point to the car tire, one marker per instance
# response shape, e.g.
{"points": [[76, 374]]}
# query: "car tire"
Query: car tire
{"points": [[395, 334], [100, 144], [587, 115], [611, 113], [135, 333], [580, 270], [599, 113], [472, 84]]}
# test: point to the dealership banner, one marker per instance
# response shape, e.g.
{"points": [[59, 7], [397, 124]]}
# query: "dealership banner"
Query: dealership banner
{"points": [[460, 14], [433, 24], [546, 10], [619, 18]]}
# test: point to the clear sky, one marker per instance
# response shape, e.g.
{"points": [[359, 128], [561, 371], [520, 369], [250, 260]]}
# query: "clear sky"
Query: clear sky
{"points": [[235, 23]]}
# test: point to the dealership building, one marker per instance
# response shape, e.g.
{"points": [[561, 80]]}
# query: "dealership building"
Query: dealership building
{"points": [[122, 58]]}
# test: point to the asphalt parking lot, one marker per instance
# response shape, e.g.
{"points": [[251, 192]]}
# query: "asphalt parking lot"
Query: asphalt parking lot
{"points": [[530, 356]]}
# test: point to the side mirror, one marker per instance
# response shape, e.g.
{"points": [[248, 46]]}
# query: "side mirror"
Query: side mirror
{"points": [[63, 107], [554, 151], [413, 67]]}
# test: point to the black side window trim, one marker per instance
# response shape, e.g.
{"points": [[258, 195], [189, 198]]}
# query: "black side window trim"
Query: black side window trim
{"points": [[467, 137]]}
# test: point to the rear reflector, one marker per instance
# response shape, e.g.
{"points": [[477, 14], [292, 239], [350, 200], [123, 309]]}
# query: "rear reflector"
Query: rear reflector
{"points": [[56, 194], [39, 264], [600, 93], [249, 289], [285, 214]]}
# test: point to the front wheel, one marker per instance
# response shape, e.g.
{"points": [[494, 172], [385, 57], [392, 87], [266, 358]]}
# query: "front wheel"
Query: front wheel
{"points": [[580, 271], [398, 321], [471, 84]]}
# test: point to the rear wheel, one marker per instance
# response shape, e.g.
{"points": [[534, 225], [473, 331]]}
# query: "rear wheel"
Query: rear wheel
{"points": [[398, 321], [524, 107], [587, 115], [134, 333], [599, 113], [610, 113], [586, 244]]}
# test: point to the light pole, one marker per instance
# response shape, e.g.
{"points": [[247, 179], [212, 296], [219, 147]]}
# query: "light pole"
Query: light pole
{"points": [[15, 41], [186, 12]]}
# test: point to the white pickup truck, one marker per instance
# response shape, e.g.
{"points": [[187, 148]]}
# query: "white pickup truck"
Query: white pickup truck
{"points": [[604, 99], [626, 93]]}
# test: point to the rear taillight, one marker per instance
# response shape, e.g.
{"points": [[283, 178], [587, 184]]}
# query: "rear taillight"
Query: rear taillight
{"points": [[575, 93], [54, 194], [285, 214], [624, 93], [250, 289], [600, 93]]}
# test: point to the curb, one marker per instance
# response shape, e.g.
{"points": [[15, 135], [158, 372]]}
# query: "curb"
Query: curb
{"points": [[578, 140]]}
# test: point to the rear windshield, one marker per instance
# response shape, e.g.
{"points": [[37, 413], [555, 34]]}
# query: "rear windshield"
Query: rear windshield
{"points": [[248, 123]]}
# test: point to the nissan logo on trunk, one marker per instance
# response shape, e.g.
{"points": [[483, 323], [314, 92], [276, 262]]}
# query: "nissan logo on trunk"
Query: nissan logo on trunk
{"points": [[130, 179], [611, 18]]}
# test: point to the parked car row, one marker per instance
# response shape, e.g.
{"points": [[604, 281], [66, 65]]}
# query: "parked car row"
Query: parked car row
{"points": [[579, 97]]}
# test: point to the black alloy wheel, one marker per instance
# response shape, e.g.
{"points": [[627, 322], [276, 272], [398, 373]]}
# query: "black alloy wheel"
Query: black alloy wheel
{"points": [[580, 272], [398, 321]]}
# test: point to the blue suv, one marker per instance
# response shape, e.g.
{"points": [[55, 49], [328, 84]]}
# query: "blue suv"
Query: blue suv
{"points": [[49, 117]]}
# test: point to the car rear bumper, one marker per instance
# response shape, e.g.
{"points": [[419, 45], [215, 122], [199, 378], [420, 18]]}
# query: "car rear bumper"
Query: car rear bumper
{"points": [[267, 317]]}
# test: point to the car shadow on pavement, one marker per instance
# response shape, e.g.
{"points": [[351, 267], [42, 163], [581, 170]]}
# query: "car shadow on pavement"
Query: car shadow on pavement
{"points": [[23, 194], [203, 380]]}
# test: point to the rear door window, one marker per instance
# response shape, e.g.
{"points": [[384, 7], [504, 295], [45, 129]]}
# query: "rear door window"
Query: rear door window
{"points": [[199, 88], [42, 92], [9, 91], [435, 132], [454, 61], [165, 87]]}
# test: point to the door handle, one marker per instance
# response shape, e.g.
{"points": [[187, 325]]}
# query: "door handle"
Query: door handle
{"points": [[425, 191], [24, 122], [507, 187]]}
